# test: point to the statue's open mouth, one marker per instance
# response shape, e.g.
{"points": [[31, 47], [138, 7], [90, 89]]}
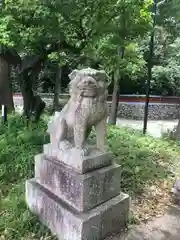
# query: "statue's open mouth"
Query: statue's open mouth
{"points": [[88, 92]]}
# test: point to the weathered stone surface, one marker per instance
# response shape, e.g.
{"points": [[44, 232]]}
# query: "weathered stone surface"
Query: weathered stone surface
{"points": [[72, 177], [86, 108], [115, 215], [96, 159], [68, 224], [82, 192]]}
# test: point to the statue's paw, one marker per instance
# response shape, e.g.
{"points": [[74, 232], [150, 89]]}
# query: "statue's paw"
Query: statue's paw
{"points": [[80, 152], [83, 152], [65, 145]]}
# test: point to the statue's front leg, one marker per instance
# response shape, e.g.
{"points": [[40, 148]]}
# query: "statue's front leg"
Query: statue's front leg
{"points": [[58, 136], [63, 142], [80, 131], [101, 132]]}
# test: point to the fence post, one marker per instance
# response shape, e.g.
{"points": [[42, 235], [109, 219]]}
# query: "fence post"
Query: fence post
{"points": [[4, 114]]}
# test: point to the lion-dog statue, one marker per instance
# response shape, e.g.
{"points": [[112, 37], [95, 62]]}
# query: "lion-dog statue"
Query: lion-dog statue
{"points": [[87, 107]]}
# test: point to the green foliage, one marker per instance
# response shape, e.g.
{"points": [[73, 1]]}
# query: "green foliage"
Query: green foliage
{"points": [[99, 30], [144, 161], [26, 26], [31, 25], [19, 143], [125, 29], [169, 16], [166, 49], [167, 76]]}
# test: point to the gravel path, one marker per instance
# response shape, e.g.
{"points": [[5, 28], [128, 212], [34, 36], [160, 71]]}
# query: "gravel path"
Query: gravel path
{"points": [[154, 128]]}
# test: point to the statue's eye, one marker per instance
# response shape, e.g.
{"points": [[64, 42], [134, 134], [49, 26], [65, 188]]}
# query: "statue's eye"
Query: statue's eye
{"points": [[101, 83]]}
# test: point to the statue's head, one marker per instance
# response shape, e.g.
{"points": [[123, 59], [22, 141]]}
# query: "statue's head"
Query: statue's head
{"points": [[89, 83]]}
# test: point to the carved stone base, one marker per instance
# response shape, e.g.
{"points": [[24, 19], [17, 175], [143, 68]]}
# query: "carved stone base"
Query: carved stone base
{"points": [[68, 224], [81, 191], [95, 160]]}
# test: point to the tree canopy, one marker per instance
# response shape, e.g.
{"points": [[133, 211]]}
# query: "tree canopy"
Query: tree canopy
{"points": [[41, 35]]}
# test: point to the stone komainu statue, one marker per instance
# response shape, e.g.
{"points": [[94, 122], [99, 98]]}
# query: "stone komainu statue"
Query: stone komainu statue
{"points": [[87, 107]]}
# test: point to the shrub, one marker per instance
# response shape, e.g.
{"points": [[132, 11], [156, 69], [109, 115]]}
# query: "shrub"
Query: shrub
{"points": [[143, 158], [19, 143]]}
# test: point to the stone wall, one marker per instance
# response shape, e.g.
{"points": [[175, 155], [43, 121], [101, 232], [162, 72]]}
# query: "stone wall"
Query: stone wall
{"points": [[157, 111], [128, 110]]}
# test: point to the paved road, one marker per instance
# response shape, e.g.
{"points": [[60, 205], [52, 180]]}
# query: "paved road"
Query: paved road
{"points": [[154, 128], [163, 228]]}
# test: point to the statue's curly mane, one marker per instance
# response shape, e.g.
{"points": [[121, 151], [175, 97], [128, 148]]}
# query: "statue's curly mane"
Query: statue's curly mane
{"points": [[87, 107], [77, 76]]}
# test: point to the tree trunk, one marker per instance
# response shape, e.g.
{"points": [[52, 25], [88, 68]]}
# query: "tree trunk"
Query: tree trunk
{"points": [[57, 89], [116, 92], [115, 102], [33, 105], [6, 95], [27, 92]]}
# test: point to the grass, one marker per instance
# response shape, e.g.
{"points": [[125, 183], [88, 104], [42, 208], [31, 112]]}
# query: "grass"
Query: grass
{"points": [[148, 171]]}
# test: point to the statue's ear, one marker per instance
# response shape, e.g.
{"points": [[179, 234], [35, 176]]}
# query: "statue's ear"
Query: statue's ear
{"points": [[73, 74], [102, 76]]}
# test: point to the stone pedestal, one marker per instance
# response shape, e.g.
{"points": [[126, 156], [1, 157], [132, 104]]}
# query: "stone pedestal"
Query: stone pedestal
{"points": [[78, 199]]}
